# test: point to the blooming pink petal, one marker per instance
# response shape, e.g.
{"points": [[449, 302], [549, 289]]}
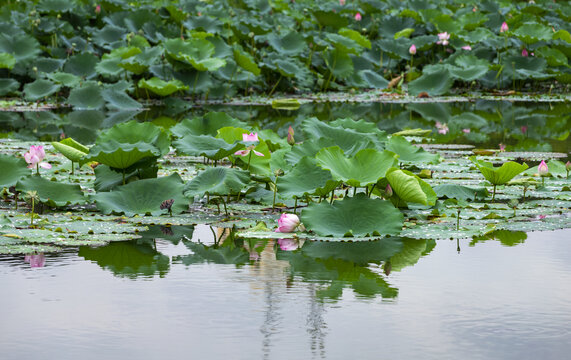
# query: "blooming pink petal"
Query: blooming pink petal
{"points": [[466, 131], [467, 47], [258, 153], [502, 147], [242, 152], [341, 2], [45, 165], [250, 137]]}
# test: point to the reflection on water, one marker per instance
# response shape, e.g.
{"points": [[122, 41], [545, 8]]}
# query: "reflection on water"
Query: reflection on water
{"points": [[205, 293]]}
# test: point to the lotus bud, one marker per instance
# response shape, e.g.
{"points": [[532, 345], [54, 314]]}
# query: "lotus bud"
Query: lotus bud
{"points": [[542, 169], [504, 27], [524, 53], [251, 35], [341, 2], [502, 147], [389, 191], [290, 139], [98, 9], [287, 223], [358, 17], [412, 49], [568, 166]]}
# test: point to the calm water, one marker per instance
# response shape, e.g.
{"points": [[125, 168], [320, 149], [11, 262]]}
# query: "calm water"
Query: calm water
{"points": [[488, 301]]}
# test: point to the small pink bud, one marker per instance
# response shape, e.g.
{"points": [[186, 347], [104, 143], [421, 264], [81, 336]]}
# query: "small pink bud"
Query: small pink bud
{"points": [[524, 53], [568, 166], [524, 129], [287, 223], [358, 16], [290, 139], [502, 147], [504, 27], [388, 191], [98, 9], [466, 131], [542, 169], [412, 49]]}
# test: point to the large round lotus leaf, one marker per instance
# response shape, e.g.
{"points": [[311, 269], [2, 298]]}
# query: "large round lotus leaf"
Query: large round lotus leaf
{"points": [[196, 52], [107, 179], [39, 89], [366, 167], [477, 35], [501, 175], [52, 193], [119, 100], [55, 5], [435, 83], [329, 18], [339, 63], [410, 153], [290, 44], [134, 132], [144, 197], [7, 61], [469, 68], [161, 87], [217, 181], [353, 216], [531, 33], [206, 145], [553, 56], [525, 67], [8, 86], [82, 65], [373, 80], [120, 155], [86, 97], [22, 46], [356, 37], [460, 192], [246, 61], [128, 259], [65, 79], [13, 169], [206, 125], [48, 65], [349, 139], [306, 178], [408, 187]]}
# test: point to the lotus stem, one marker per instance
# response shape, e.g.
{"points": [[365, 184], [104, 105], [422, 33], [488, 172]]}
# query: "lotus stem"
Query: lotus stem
{"points": [[275, 86], [249, 159], [72, 168], [123, 176], [275, 190], [354, 190], [225, 208], [494, 195], [38, 169], [295, 205], [332, 196], [543, 181], [372, 188], [458, 219], [32, 216]]}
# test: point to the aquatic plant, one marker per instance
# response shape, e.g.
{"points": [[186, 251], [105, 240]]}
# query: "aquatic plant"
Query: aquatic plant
{"points": [[34, 158], [287, 223]]}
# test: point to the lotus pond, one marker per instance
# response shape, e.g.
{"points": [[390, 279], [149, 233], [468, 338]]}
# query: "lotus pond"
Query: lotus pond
{"points": [[422, 230]]}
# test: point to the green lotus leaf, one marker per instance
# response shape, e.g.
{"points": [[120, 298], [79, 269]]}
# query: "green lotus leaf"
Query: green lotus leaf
{"points": [[366, 167], [348, 136], [355, 36], [82, 65], [107, 179], [55, 5], [121, 155], [290, 45], [65, 79], [563, 35], [306, 178], [52, 193], [501, 175], [413, 132], [339, 63], [161, 87], [553, 56], [144, 197], [196, 52], [530, 33], [460, 192], [71, 149], [227, 253], [86, 97], [206, 125], [206, 145], [7, 61], [217, 181], [13, 169], [329, 18], [506, 237], [246, 61], [409, 153], [39, 89], [404, 33], [353, 216], [134, 132], [119, 100], [8, 86], [286, 68], [109, 66], [435, 83], [469, 68], [406, 186], [286, 104], [373, 80], [22, 46]]}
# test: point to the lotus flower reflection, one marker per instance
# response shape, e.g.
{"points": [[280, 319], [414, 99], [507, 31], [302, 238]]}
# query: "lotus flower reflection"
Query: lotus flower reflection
{"points": [[35, 156], [287, 223], [35, 260], [288, 244]]}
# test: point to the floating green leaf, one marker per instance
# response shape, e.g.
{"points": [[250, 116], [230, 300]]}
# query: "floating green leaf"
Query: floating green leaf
{"points": [[52, 193], [161, 87], [217, 181], [501, 175], [13, 169], [206, 145]]}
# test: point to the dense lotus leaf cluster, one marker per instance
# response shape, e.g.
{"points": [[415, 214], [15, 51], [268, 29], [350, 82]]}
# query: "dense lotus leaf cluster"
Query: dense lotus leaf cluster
{"points": [[347, 180], [106, 54]]}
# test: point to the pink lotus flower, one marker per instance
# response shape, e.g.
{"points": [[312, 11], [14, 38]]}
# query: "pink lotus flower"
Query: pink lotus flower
{"points": [[524, 53], [341, 2], [290, 139], [504, 27], [287, 223], [568, 166], [442, 128], [98, 9], [466, 131], [502, 147], [35, 260], [542, 169], [358, 16], [412, 49], [388, 191], [247, 152], [250, 137], [288, 244], [523, 129], [35, 156], [466, 47], [443, 38]]}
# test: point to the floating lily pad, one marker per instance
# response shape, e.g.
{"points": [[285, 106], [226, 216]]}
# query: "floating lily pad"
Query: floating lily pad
{"points": [[217, 181], [52, 193], [13, 169]]}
